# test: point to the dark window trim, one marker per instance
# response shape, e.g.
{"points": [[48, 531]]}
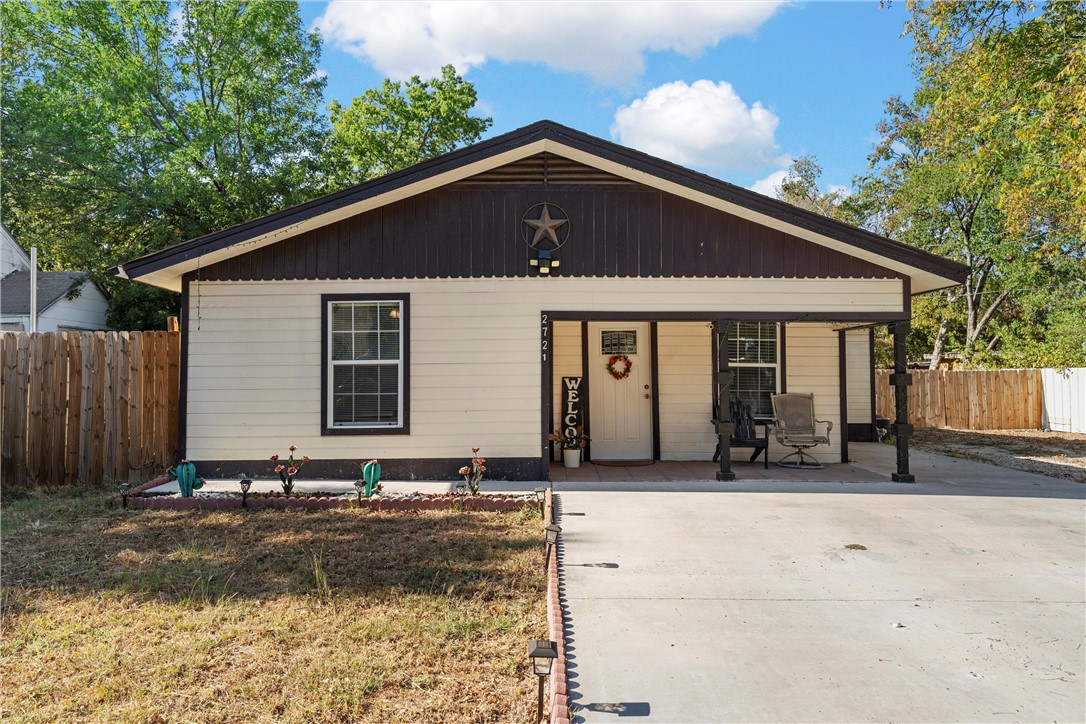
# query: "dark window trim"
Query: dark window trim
{"points": [[405, 363]]}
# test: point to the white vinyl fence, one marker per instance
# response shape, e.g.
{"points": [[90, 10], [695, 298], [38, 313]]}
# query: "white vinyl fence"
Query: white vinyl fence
{"points": [[1064, 399]]}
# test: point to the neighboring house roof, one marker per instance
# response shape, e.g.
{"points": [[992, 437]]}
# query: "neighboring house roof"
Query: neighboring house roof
{"points": [[165, 268], [52, 287]]}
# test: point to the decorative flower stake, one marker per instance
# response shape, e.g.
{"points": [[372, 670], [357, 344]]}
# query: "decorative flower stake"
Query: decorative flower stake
{"points": [[287, 472], [473, 474]]}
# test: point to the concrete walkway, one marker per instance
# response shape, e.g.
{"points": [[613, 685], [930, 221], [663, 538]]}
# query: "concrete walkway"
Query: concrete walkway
{"points": [[706, 602]]}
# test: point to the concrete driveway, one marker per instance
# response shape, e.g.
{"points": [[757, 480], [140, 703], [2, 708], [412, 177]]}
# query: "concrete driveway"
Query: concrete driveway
{"points": [[743, 602]]}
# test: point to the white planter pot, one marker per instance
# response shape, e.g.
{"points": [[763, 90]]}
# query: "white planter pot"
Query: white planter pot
{"points": [[571, 457]]}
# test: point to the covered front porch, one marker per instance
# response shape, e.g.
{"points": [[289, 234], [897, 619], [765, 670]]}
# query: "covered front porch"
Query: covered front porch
{"points": [[650, 388]]}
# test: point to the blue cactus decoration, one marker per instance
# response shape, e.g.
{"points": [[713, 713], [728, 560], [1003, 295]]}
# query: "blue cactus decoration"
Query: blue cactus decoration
{"points": [[371, 476], [185, 475]]}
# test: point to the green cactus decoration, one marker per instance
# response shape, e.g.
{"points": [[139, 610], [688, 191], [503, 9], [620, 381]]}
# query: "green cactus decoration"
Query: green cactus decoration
{"points": [[185, 475], [371, 476]]}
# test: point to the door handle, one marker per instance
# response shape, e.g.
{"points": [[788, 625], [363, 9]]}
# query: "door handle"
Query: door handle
{"points": [[647, 395]]}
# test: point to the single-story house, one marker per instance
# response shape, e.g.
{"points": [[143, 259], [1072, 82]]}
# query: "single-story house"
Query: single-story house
{"points": [[67, 301], [452, 305]]}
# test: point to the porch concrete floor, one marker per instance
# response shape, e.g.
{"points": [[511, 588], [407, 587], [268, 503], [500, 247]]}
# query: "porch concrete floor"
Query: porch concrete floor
{"points": [[663, 471]]}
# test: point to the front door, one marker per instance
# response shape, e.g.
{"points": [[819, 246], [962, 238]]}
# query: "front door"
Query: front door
{"points": [[620, 408]]}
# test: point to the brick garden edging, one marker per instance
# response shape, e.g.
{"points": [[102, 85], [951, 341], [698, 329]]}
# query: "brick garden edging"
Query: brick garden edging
{"points": [[263, 501], [559, 698]]}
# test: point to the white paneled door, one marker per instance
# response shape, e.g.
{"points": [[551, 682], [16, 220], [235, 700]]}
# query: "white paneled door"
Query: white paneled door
{"points": [[620, 409]]}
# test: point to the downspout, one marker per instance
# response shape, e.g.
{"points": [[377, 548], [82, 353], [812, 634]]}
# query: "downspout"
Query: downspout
{"points": [[33, 289]]}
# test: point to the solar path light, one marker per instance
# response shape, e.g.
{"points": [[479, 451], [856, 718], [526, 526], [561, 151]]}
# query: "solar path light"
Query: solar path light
{"points": [[541, 497], [552, 532], [123, 489], [542, 655], [245, 483]]}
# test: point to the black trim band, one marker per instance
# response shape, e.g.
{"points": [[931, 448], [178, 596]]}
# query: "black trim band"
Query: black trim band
{"points": [[411, 469]]}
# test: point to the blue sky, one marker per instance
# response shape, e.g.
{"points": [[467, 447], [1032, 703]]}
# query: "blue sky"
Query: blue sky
{"points": [[732, 89]]}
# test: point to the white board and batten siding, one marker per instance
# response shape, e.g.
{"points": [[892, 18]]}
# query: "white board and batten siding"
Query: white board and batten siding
{"points": [[254, 357], [1064, 396]]}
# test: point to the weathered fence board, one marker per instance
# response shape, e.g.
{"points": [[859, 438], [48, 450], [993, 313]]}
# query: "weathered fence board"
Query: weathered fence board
{"points": [[967, 400], [87, 408]]}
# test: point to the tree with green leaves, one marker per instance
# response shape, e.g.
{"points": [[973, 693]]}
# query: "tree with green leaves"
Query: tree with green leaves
{"points": [[800, 188], [958, 171], [400, 124], [129, 126]]}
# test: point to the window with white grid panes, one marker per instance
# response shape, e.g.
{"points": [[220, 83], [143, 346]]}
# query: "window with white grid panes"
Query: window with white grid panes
{"points": [[754, 357], [365, 364]]}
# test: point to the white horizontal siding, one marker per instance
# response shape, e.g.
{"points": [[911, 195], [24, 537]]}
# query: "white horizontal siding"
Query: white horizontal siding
{"points": [[811, 362], [858, 374], [685, 379], [566, 346], [254, 377]]}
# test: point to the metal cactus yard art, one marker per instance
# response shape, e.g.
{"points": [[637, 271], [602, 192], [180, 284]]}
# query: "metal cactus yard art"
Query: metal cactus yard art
{"points": [[371, 477], [185, 475]]}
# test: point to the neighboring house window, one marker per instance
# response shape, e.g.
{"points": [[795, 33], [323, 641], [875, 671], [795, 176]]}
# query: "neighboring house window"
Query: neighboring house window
{"points": [[365, 363], [753, 353]]}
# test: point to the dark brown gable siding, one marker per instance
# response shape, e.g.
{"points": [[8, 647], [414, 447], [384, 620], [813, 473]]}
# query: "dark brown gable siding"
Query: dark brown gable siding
{"points": [[473, 230]]}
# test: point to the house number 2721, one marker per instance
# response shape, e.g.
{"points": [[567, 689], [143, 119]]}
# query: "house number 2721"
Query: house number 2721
{"points": [[545, 341]]}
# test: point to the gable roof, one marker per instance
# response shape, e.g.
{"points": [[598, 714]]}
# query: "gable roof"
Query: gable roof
{"points": [[11, 252], [52, 286], [165, 268]]}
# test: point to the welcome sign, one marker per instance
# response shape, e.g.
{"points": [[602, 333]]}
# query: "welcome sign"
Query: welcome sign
{"points": [[572, 411]]}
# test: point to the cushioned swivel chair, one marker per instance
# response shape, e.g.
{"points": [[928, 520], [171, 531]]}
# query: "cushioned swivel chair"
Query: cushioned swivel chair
{"points": [[795, 427]]}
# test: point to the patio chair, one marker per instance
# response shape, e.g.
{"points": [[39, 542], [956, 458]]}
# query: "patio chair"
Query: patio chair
{"points": [[745, 432], [795, 427]]}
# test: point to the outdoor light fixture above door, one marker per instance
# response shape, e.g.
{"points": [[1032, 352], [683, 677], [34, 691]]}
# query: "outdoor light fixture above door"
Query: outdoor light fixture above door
{"points": [[545, 228]]}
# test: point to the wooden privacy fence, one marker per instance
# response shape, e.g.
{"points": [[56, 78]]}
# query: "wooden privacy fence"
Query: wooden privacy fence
{"points": [[88, 408], [967, 400]]}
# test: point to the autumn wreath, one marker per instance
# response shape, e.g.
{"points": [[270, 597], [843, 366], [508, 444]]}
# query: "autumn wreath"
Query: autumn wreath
{"points": [[616, 373]]}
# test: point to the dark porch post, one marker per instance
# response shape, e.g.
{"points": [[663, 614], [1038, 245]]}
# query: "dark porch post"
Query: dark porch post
{"points": [[900, 381], [722, 393]]}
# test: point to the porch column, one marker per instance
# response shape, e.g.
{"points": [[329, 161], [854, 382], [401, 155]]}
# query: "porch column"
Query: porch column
{"points": [[722, 393], [900, 381]]}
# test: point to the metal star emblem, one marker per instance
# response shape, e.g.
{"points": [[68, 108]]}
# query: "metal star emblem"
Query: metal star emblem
{"points": [[545, 227]]}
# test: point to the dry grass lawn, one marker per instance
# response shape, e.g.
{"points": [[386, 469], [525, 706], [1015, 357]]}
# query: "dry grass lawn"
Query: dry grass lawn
{"points": [[291, 616], [1056, 454]]}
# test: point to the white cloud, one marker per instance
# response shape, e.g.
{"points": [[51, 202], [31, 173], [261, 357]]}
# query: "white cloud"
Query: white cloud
{"points": [[606, 41], [704, 125], [771, 183]]}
